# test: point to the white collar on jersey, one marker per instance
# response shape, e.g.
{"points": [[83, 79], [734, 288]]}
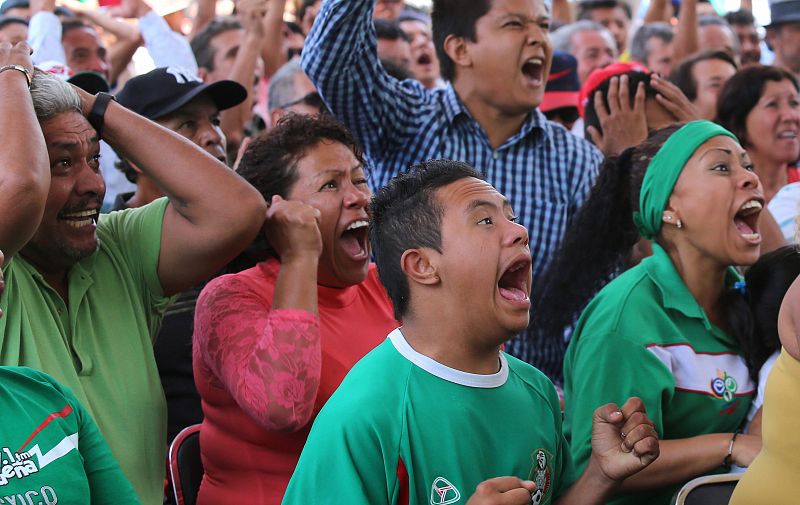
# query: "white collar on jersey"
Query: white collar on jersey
{"points": [[444, 372]]}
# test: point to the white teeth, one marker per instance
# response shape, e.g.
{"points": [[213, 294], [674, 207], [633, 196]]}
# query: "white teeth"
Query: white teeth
{"points": [[751, 236], [751, 204], [535, 61], [358, 224], [787, 135], [80, 224], [85, 213]]}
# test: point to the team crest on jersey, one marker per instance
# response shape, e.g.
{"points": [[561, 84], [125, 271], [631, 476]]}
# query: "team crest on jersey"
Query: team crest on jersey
{"points": [[541, 474], [443, 492], [724, 386]]}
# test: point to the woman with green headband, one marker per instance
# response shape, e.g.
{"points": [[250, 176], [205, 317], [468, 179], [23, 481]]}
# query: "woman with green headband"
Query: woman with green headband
{"points": [[661, 331]]}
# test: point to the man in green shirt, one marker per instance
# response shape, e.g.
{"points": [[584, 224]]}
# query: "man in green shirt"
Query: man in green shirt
{"points": [[438, 414], [85, 294]]}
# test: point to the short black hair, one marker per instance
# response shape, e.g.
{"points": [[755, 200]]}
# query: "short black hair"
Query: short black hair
{"points": [[389, 30], [406, 215], [201, 42], [742, 92], [682, 77], [457, 18], [742, 17], [73, 24], [590, 117], [586, 7]]}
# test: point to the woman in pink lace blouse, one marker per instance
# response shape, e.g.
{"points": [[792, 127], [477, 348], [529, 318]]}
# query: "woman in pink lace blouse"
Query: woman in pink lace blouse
{"points": [[273, 342]]}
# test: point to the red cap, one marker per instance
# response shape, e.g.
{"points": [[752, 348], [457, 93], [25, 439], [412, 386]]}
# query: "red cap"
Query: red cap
{"points": [[601, 75]]}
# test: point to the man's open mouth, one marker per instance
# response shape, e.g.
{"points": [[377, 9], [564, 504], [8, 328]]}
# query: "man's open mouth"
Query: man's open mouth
{"points": [[746, 220], [533, 69], [81, 218], [514, 283]]}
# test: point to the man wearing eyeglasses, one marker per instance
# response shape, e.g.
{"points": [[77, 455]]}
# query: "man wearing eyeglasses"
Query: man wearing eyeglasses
{"points": [[291, 91]]}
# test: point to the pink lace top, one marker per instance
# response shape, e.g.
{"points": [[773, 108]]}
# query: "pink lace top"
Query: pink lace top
{"points": [[263, 375]]}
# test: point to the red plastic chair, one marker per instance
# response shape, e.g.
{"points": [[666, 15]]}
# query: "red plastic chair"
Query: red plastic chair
{"points": [[185, 466]]}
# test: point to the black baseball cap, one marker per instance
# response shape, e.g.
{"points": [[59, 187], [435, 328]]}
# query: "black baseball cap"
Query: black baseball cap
{"points": [[14, 4], [164, 90]]}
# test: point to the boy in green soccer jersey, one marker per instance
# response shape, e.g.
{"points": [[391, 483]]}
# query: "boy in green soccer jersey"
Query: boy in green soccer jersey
{"points": [[438, 414]]}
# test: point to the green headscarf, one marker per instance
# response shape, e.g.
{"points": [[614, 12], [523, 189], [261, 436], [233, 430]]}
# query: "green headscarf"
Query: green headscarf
{"points": [[664, 170]]}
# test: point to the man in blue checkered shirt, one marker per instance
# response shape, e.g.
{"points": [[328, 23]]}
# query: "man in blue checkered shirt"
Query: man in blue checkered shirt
{"points": [[496, 56]]}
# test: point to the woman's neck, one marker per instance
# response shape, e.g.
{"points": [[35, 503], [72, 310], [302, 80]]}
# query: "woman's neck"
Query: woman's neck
{"points": [[773, 175], [704, 278]]}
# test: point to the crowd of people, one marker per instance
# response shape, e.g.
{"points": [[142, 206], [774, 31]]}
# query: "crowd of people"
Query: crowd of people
{"points": [[479, 251]]}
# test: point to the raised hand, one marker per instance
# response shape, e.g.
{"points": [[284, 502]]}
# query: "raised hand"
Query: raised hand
{"points": [[624, 440], [672, 98], [16, 54], [292, 228], [503, 491], [623, 126]]}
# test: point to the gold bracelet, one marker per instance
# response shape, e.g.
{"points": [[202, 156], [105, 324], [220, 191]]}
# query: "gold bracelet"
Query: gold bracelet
{"points": [[20, 68]]}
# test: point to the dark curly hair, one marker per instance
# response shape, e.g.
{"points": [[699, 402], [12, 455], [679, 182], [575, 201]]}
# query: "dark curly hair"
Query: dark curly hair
{"points": [[270, 164], [768, 280], [742, 92], [597, 245], [590, 117]]}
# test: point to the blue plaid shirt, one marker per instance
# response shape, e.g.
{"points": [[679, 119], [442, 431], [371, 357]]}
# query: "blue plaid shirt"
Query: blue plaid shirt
{"points": [[544, 171]]}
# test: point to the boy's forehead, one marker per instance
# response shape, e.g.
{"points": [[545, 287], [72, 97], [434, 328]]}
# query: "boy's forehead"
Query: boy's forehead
{"points": [[531, 7], [462, 194]]}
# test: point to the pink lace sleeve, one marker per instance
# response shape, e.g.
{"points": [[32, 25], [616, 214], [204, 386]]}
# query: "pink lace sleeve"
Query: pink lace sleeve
{"points": [[268, 361]]}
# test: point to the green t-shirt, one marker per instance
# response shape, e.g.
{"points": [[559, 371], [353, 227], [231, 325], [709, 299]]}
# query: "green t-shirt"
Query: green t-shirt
{"points": [[50, 448], [100, 345], [645, 335], [402, 428]]}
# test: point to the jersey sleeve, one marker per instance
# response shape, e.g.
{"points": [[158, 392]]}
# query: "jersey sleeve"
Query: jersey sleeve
{"points": [[341, 59], [348, 458], [134, 235], [107, 484], [269, 361], [603, 368]]}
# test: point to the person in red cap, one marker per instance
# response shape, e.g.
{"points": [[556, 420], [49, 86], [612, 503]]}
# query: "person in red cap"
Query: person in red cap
{"points": [[561, 95]]}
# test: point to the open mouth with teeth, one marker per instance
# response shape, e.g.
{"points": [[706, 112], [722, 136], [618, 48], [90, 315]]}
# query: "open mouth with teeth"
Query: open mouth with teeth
{"points": [[354, 240], [513, 284], [80, 219], [533, 70], [788, 134], [746, 221]]}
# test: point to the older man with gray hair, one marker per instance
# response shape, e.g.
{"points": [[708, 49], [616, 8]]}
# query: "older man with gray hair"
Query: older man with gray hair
{"points": [[290, 90], [591, 44], [85, 295], [652, 47]]}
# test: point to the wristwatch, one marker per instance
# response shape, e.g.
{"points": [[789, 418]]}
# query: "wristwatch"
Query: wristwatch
{"points": [[98, 112]]}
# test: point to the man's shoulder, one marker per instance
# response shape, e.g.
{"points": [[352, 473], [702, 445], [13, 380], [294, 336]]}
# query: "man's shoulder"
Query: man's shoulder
{"points": [[570, 144]]}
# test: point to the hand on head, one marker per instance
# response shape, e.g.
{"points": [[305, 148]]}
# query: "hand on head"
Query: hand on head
{"points": [[624, 440], [292, 229], [672, 98], [503, 491], [623, 126]]}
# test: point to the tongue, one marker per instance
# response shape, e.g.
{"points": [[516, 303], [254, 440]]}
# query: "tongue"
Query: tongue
{"points": [[515, 294], [742, 226], [351, 245]]}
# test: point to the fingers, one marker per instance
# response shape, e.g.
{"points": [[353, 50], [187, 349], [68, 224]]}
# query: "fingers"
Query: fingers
{"points": [[503, 491], [639, 98], [595, 135]]}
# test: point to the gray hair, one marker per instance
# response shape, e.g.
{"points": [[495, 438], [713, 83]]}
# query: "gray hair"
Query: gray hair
{"points": [[562, 38], [639, 50], [52, 96], [718, 21], [281, 85]]}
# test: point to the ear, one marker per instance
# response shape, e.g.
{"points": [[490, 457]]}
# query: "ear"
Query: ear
{"points": [[202, 73], [670, 215], [458, 51], [418, 266], [274, 116]]}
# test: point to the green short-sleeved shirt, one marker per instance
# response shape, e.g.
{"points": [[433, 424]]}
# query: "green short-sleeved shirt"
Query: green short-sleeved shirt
{"points": [[50, 448], [645, 335], [402, 428], [101, 344]]}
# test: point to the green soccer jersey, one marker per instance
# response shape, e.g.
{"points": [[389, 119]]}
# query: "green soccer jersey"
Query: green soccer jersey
{"points": [[403, 428], [645, 335], [50, 449]]}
